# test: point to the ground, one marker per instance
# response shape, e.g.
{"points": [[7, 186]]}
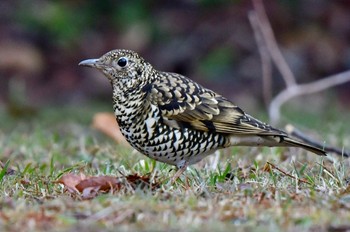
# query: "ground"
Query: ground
{"points": [[240, 189]]}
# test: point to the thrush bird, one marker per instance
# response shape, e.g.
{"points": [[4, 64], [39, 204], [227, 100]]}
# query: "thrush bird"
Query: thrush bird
{"points": [[172, 119]]}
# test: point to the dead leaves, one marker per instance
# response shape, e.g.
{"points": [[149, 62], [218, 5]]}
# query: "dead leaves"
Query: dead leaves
{"points": [[106, 123], [88, 187]]}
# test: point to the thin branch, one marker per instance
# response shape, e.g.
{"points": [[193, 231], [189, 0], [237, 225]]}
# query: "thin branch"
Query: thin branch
{"points": [[303, 89], [328, 172], [270, 40], [287, 174], [268, 48], [266, 65]]}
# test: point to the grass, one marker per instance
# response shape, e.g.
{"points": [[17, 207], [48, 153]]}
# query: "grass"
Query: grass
{"points": [[242, 192]]}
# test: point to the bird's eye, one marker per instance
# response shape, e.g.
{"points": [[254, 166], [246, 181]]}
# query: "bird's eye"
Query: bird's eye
{"points": [[122, 61]]}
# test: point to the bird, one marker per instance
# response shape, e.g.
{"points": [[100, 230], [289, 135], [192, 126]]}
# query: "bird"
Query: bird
{"points": [[172, 119]]}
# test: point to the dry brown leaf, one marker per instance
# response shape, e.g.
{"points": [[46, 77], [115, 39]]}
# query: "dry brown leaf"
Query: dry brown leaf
{"points": [[90, 192], [101, 183], [142, 181], [106, 123], [71, 180], [90, 186], [80, 182]]}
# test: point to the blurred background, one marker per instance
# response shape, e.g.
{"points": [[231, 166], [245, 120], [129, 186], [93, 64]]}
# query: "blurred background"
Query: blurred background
{"points": [[212, 42]]}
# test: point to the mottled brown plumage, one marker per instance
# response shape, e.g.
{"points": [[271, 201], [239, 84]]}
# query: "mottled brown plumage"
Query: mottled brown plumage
{"points": [[171, 118]]}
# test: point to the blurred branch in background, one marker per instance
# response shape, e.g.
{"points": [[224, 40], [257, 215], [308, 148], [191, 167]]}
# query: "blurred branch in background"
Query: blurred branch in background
{"points": [[266, 64], [211, 42], [303, 89], [267, 44], [266, 32], [269, 50]]}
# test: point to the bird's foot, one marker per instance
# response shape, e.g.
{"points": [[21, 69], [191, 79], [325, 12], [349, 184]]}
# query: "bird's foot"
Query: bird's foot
{"points": [[179, 172]]}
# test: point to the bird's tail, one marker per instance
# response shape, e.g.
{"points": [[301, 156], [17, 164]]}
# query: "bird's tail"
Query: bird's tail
{"points": [[273, 141], [294, 143]]}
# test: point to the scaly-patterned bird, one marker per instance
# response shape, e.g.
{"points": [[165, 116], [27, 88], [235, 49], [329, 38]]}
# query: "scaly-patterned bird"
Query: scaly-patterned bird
{"points": [[172, 119]]}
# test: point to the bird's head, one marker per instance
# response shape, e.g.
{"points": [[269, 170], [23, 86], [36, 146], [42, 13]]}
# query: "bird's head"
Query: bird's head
{"points": [[122, 67]]}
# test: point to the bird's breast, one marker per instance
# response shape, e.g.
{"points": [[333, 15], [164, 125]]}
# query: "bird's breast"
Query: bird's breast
{"points": [[145, 130]]}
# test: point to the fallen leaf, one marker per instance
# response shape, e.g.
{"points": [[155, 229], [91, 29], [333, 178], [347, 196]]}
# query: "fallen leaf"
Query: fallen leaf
{"points": [[90, 186], [107, 124], [141, 181], [71, 180], [90, 192], [102, 183]]}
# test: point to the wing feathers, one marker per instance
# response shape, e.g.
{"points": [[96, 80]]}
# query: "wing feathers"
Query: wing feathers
{"points": [[188, 103]]}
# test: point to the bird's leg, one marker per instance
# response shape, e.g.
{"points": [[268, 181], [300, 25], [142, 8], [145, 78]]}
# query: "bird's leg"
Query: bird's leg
{"points": [[179, 172]]}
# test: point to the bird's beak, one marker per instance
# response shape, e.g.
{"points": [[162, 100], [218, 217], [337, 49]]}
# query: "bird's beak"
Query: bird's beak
{"points": [[95, 63]]}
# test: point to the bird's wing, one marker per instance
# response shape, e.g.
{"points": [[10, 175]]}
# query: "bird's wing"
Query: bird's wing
{"points": [[184, 103]]}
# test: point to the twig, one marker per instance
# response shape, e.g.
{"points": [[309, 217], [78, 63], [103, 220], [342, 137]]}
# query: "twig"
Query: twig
{"points": [[327, 171], [301, 136], [302, 89], [266, 65], [289, 175], [267, 44], [270, 40]]}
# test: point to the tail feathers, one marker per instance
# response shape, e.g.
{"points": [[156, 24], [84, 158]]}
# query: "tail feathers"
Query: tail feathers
{"points": [[272, 141], [294, 143]]}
